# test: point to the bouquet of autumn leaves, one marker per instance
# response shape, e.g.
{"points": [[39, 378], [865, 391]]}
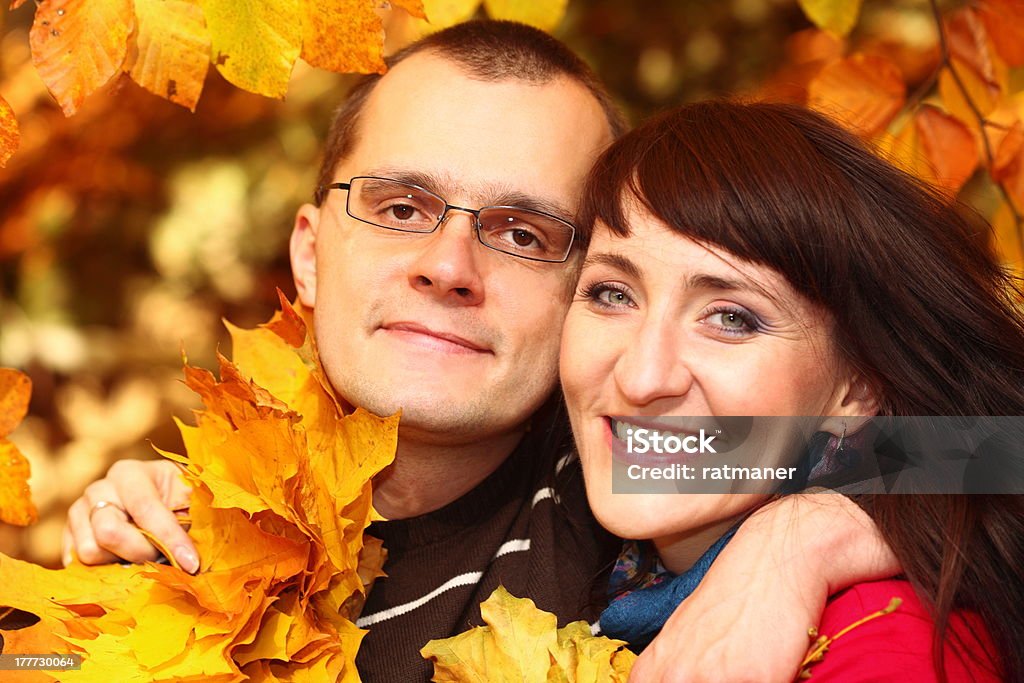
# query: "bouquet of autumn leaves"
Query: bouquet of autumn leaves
{"points": [[281, 498]]}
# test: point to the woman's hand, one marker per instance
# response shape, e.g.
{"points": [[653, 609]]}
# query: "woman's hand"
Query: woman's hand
{"points": [[748, 619], [103, 525]]}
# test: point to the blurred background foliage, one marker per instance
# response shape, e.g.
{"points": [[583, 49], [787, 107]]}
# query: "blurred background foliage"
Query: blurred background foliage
{"points": [[130, 229]]}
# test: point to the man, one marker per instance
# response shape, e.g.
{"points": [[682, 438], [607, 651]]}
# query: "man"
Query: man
{"points": [[439, 262]]}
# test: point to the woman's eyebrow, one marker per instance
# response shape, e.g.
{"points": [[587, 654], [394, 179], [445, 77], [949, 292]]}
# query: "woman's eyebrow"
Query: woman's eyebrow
{"points": [[706, 281], [717, 282], [629, 268], [617, 261]]}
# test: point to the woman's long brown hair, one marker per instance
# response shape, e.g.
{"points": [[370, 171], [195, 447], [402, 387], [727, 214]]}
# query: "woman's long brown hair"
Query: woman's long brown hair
{"points": [[921, 309]]}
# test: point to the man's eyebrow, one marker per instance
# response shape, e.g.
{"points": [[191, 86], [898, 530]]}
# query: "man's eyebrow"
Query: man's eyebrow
{"points": [[616, 261], [448, 187], [428, 181], [525, 201]]}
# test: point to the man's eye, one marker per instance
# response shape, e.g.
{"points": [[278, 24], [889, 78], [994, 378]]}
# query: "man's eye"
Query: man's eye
{"points": [[519, 238], [402, 212], [523, 238]]}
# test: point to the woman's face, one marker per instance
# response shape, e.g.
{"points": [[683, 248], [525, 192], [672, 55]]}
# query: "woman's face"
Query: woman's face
{"points": [[662, 325]]}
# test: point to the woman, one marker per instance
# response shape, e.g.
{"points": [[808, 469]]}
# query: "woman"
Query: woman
{"points": [[756, 260]]}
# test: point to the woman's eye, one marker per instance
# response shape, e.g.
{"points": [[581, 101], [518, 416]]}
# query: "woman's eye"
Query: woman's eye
{"points": [[606, 296], [729, 321], [613, 297], [733, 321]]}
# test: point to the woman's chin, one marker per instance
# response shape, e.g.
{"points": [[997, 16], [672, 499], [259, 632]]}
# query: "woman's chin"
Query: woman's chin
{"points": [[634, 516]]}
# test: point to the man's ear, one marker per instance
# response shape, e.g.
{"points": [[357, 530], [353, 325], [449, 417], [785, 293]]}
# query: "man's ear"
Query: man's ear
{"points": [[855, 404], [303, 253]]}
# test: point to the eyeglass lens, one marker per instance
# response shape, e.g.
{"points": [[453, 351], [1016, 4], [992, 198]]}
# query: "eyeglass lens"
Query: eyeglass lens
{"points": [[398, 206]]}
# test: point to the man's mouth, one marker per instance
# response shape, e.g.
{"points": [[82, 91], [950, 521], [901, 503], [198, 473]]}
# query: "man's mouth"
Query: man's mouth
{"points": [[439, 339]]}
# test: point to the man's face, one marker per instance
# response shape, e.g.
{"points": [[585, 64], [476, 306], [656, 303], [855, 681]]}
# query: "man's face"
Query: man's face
{"points": [[462, 338]]}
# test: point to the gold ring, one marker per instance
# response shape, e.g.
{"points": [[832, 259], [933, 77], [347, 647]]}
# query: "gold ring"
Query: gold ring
{"points": [[100, 504]]}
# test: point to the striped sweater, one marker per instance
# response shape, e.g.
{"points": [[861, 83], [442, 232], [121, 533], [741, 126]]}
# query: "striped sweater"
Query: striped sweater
{"points": [[523, 527]]}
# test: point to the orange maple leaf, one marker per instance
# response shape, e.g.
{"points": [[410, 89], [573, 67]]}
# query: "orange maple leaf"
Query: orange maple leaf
{"points": [[78, 46], [935, 147], [9, 135], [281, 497], [863, 92], [15, 498]]}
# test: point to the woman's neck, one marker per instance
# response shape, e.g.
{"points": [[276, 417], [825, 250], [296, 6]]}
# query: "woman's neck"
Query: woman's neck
{"points": [[678, 552]]}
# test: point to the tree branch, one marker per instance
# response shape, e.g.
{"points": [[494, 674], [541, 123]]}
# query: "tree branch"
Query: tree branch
{"points": [[946, 61]]}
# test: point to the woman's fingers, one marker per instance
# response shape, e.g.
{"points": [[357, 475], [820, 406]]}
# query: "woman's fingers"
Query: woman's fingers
{"points": [[106, 524], [79, 539], [150, 491]]}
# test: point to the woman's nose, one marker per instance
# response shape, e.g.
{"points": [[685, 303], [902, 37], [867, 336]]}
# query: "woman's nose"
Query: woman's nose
{"points": [[653, 364]]}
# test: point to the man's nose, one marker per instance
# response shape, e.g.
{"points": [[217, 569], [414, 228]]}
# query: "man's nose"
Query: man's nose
{"points": [[653, 365], [448, 263]]}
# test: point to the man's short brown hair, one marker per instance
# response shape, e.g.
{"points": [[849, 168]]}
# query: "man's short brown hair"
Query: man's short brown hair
{"points": [[486, 49]]}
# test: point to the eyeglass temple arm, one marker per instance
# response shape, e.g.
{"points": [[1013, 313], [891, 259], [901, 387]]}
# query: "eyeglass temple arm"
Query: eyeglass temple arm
{"points": [[321, 191]]}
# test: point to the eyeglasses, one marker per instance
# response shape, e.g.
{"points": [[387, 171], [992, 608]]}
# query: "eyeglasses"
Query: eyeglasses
{"points": [[395, 205]]}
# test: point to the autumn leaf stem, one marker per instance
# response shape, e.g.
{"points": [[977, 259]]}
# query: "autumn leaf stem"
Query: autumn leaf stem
{"points": [[922, 91], [946, 61], [822, 643]]}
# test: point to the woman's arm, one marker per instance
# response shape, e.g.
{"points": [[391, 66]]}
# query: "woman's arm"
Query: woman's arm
{"points": [[748, 620]]}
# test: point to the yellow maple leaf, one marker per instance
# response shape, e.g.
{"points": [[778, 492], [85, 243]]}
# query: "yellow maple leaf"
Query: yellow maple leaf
{"points": [[1008, 245], [836, 16], [521, 643], [544, 14], [280, 501], [9, 135], [173, 49], [255, 43], [413, 7], [78, 46], [444, 13], [434, 15]]}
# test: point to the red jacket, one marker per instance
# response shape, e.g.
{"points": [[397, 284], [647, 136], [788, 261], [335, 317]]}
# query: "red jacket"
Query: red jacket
{"points": [[898, 647]]}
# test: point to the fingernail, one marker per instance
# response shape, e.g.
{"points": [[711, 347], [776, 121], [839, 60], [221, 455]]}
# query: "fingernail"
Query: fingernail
{"points": [[187, 559]]}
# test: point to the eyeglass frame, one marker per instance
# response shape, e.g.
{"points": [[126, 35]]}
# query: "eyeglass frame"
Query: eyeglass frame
{"points": [[322, 196]]}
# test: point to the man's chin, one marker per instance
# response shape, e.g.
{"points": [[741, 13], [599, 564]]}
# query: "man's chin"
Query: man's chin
{"points": [[439, 413]]}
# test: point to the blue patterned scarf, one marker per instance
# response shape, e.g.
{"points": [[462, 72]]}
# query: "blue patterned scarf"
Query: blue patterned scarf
{"points": [[637, 616]]}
